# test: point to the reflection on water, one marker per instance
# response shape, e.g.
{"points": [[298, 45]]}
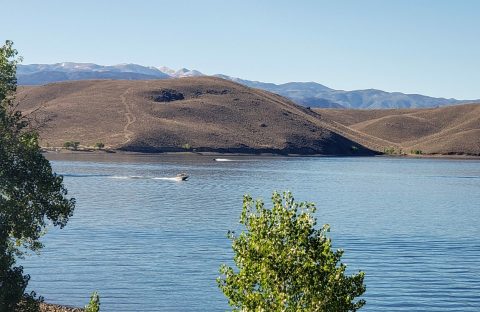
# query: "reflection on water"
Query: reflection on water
{"points": [[156, 245]]}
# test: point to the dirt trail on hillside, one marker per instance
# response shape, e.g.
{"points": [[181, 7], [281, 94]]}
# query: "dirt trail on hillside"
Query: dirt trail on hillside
{"points": [[129, 116]]}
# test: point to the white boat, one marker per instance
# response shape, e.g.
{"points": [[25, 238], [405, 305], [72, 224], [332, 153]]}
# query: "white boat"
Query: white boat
{"points": [[181, 177], [222, 159]]}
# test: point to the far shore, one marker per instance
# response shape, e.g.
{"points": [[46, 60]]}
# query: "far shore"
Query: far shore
{"points": [[106, 152]]}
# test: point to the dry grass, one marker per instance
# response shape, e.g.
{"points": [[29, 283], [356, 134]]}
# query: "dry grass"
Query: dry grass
{"points": [[446, 130], [206, 114], [214, 115]]}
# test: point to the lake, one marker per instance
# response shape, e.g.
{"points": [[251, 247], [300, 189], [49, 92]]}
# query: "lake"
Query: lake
{"points": [[156, 245]]}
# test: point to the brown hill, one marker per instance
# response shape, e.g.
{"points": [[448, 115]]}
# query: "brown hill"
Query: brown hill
{"points": [[204, 114], [446, 130]]}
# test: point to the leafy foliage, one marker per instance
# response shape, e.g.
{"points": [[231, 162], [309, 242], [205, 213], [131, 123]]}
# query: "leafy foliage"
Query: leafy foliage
{"points": [[393, 151], [285, 264], [31, 195], [13, 284], [389, 150], [71, 145], [187, 146], [94, 304]]}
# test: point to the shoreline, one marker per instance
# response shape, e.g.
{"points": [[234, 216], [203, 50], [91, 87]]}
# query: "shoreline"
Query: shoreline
{"points": [[272, 155], [51, 307]]}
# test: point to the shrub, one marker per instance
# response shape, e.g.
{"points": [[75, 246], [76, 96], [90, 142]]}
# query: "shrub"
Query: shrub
{"points": [[94, 304], [389, 150], [187, 146], [71, 145]]}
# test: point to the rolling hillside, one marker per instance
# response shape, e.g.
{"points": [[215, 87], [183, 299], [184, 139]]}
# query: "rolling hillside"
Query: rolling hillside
{"points": [[446, 130], [202, 114]]}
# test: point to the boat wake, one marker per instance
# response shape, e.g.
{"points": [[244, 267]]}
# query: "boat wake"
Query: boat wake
{"points": [[76, 175], [168, 178], [177, 178]]}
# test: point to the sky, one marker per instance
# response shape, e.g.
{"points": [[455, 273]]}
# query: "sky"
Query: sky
{"points": [[429, 47]]}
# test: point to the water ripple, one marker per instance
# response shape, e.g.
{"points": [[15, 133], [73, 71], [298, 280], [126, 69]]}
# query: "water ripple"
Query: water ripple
{"points": [[411, 225]]}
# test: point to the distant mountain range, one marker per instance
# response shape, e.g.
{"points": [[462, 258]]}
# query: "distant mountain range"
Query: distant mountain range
{"points": [[310, 94]]}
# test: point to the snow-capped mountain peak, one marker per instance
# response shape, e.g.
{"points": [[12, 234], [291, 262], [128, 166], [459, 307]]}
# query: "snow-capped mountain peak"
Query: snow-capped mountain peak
{"points": [[166, 70], [305, 93]]}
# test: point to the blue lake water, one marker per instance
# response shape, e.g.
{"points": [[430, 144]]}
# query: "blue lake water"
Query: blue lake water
{"points": [[155, 245]]}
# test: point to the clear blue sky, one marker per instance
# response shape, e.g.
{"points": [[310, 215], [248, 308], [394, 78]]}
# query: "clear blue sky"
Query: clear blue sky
{"points": [[430, 47]]}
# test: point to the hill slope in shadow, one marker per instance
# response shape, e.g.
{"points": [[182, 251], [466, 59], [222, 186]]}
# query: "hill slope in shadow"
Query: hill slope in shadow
{"points": [[204, 114]]}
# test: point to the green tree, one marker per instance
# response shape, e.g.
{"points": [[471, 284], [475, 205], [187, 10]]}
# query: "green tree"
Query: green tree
{"points": [[187, 146], [71, 145], [32, 196], [285, 264]]}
